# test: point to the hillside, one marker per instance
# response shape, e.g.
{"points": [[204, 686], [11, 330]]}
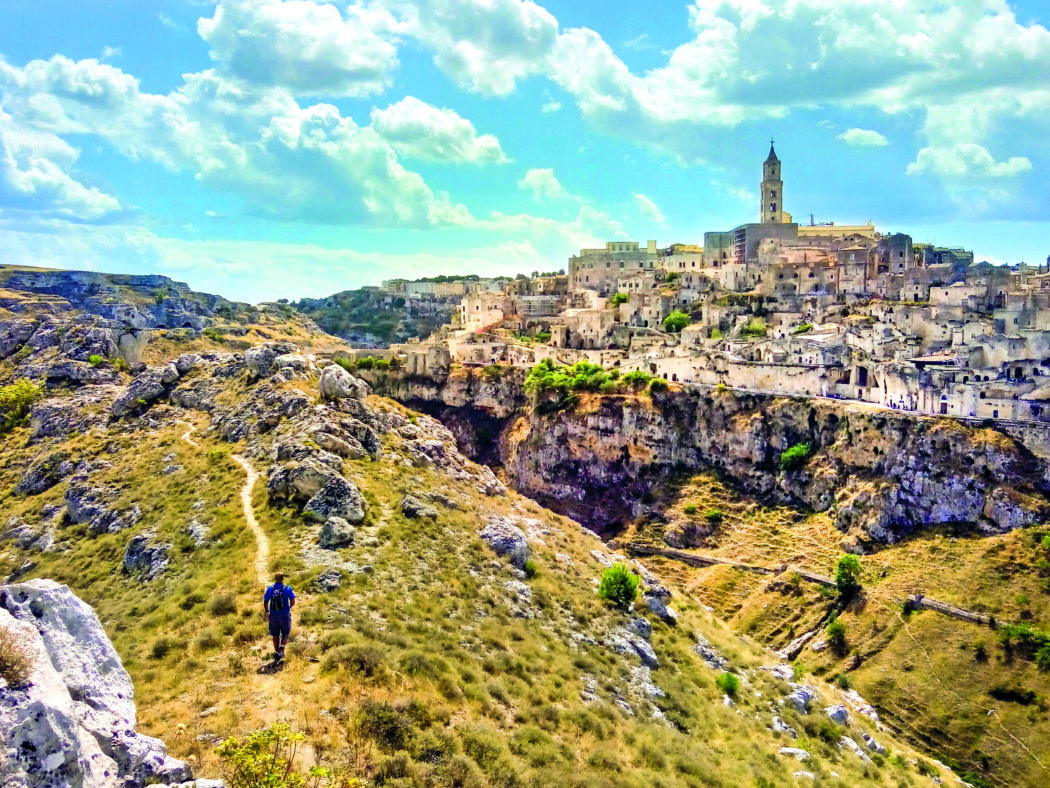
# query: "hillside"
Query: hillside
{"points": [[936, 507], [370, 317], [448, 632]]}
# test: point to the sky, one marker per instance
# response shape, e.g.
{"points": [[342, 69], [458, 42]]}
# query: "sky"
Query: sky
{"points": [[266, 149]]}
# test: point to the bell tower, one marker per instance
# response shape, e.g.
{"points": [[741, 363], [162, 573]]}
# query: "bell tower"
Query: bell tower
{"points": [[772, 190]]}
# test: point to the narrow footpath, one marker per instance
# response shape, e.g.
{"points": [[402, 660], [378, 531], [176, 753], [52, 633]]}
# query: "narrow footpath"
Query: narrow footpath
{"points": [[262, 554]]}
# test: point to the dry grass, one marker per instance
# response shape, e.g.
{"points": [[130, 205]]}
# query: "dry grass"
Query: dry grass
{"points": [[16, 666]]}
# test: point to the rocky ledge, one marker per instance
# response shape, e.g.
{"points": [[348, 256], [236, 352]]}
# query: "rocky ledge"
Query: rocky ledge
{"points": [[67, 714]]}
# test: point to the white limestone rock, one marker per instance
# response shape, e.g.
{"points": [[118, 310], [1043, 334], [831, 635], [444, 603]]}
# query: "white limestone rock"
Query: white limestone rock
{"points": [[337, 383], [72, 725]]}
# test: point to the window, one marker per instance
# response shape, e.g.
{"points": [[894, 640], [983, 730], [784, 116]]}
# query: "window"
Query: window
{"points": [[772, 194], [773, 207]]}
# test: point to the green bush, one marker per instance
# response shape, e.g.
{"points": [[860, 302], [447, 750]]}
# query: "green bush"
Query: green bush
{"points": [[795, 456], [494, 371], [714, 516], [847, 575], [676, 321], [94, 359], [164, 645], [265, 759], [618, 298], [755, 327], [836, 635], [802, 329], [637, 379], [546, 377], [15, 401], [366, 661], [690, 508], [385, 725], [656, 385], [222, 605], [530, 568], [619, 586], [728, 683]]}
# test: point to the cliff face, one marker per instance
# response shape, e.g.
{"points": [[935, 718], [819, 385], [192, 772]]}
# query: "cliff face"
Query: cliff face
{"points": [[883, 474], [136, 302]]}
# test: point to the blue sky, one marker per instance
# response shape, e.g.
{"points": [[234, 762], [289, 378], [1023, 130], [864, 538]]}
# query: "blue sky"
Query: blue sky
{"points": [[287, 148]]}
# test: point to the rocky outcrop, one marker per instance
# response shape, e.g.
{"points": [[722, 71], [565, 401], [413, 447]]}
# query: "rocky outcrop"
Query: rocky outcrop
{"points": [[94, 504], [506, 539], [883, 474], [145, 557], [337, 383], [71, 723]]}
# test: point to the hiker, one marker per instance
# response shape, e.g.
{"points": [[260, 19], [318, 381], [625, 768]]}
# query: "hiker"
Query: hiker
{"points": [[277, 608]]}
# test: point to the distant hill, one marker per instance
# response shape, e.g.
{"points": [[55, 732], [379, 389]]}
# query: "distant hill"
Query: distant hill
{"points": [[370, 317]]}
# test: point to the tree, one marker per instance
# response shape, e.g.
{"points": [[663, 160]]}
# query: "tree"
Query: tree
{"points": [[676, 321], [836, 633], [617, 299], [795, 456], [619, 586], [847, 575]]}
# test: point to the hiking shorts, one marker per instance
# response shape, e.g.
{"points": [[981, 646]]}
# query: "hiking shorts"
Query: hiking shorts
{"points": [[280, 626]]}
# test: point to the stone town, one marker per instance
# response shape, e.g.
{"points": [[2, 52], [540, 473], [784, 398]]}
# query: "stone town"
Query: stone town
{"points": [[819, 310]]}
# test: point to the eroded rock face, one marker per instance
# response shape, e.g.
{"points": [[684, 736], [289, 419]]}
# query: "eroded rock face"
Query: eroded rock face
{"points": [[884, 474], [72, 724], [145, 557]]}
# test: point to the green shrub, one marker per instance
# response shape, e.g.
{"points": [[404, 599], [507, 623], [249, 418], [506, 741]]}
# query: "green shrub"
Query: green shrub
{"points": [[795, 456], [546, 377], [94, 359], [120, 364], [715, 334], [728, 683], [15, 663], [847, 575], [656, 385], [191, 600], [15, 401], [222, 605], [637, 379], [618, 298], [385, 725], [164, 645], [494, 371], [676, 321], [530, 568], [690, 508], [802, 329], [265, 759], [714, 516], [619, 586], [755, 327], [836, 634], [364, 660]]}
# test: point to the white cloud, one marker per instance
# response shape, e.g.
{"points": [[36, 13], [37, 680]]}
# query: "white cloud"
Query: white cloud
{"points": [[966, 159], [648, 208], [543, 184], [418, 130], [108, 53], [35, 177], [863, 138], [486, 46], [168, 22], [551, 106], [309, 48]]}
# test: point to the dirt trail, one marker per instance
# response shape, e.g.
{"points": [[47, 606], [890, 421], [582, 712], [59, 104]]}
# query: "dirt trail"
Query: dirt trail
{"points": [[262, 556]]}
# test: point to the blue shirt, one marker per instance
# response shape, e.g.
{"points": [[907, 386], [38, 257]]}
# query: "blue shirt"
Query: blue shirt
{"points": [[289, 595]]}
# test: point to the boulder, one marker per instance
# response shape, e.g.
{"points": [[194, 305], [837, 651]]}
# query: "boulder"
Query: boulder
{"points": [[329, 580], [143, 391], [837, 714], [709, 654], [258, 360], [91, 503], [414, 508], [873, 745], [72, 724], [186, 362], [335, 533], [801, 696], [144, 557], [338, 498], [661, 609], [337, 383], [44, 474], [782, 727], [847, 743], [506, 539], [794, 752]]}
